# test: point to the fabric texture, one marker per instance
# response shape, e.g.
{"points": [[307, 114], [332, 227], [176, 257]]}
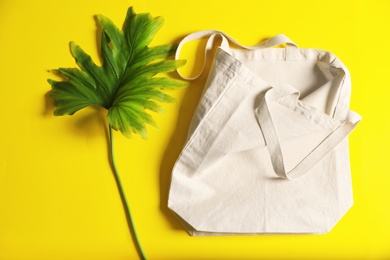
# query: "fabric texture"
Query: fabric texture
{"points": [[267, 150]]}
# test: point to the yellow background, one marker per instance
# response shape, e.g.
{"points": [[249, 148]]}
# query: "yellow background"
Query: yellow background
{"points": [[58, 198]]}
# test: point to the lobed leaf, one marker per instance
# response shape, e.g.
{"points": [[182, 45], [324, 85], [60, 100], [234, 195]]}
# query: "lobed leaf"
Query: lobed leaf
{"points": [[126, 83]]}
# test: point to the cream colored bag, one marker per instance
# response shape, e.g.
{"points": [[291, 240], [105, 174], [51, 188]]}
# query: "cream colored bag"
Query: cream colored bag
{"points": [[267, 150]]}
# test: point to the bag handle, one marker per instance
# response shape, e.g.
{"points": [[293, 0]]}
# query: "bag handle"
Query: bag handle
{"points": [[292, 51], [273, 143]]}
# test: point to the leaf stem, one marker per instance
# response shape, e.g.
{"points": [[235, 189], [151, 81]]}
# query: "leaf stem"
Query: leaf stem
{"points": [[122, 194]]}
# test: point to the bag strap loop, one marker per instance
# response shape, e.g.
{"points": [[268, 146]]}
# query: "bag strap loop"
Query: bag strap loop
{"points": [[273, 142], [292, 51]]}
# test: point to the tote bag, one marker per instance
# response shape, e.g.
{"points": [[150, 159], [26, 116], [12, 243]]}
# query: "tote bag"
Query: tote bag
{"points": [[267, 149]]}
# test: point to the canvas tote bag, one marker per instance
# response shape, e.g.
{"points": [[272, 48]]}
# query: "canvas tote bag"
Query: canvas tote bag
{"points": [[267, 150]]}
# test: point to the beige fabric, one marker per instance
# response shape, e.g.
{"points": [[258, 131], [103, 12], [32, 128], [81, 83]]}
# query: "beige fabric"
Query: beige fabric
{"points": [[267, 150]]}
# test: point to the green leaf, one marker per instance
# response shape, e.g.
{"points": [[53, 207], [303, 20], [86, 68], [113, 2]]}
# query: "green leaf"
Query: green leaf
{"points": [[126, 84]]}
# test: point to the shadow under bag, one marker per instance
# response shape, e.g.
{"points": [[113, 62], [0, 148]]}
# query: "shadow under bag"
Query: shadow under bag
{"points": [[267, 150]]}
